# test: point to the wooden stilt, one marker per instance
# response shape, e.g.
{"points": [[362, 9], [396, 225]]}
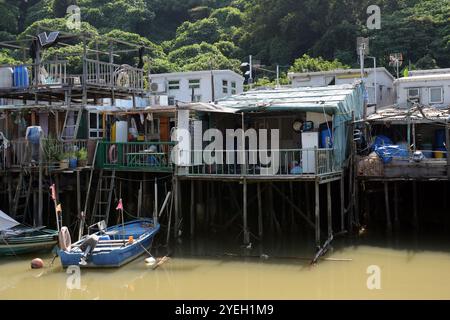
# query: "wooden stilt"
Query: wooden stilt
{"points": [[39, 221], [342, 194], [139, 206], [260, 216], [78, 193], [388, 212], [357, 207], [308, 201], [270, 208], [10, 192], [330, 221], [292, 200], [396, 203], [317, 213], [244, 211], [415, 204], [176, 206], [192, 208]]}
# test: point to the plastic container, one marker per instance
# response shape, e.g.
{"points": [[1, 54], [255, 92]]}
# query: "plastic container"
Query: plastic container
{"points": [[6, 77], [73, 163], [325, 136], [21, 77], [121, 131], [325, 139], [440, 153]]}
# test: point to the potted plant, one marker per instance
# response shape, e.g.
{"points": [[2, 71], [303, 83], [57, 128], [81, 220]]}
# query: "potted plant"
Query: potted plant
{"points": [[64, 160], [51, 152], [82, 157]]}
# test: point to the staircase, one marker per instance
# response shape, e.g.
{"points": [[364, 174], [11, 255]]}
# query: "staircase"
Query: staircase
{"points": [[22, 196], [103, 197], [72, 122]]}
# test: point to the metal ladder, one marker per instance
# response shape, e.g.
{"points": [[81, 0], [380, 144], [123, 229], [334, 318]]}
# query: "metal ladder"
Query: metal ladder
{"points": [[70, 131], [22, 196], [103, 197]]}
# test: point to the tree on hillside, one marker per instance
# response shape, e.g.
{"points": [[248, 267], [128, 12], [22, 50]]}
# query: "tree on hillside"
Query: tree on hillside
{"points": [[205, 30], [308, 64], [59, 7]]}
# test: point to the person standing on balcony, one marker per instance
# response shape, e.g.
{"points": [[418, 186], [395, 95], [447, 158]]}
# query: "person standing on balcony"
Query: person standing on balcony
{"points": [[33, 136]]}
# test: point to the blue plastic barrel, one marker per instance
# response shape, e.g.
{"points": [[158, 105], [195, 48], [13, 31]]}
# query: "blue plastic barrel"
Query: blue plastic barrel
{"points": [[325, 139], [21, 77]]}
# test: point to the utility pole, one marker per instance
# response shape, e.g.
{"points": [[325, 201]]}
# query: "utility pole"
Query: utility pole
{"points": [[278, 75], [250, 78]]}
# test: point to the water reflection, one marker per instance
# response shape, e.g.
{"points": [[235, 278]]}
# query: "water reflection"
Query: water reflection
{"points": [[412, 266]]}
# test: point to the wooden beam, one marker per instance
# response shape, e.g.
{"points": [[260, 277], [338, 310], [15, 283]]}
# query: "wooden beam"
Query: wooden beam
{"points": [[294, 206]]}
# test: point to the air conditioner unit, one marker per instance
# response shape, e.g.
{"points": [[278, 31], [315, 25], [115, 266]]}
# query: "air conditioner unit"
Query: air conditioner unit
{"points": [[157, 87]]}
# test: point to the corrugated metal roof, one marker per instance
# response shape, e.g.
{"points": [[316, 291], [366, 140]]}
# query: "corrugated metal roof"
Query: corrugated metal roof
{"points": [[428, 77], [311, 98], [395, 114]]}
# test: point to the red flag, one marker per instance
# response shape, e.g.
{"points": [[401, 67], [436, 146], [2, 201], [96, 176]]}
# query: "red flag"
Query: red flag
{"points": [[53, 191], [119, 206]]}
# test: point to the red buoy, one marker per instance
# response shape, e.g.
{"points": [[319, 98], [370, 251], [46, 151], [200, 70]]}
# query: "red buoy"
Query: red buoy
{"points": [[37, 263]]}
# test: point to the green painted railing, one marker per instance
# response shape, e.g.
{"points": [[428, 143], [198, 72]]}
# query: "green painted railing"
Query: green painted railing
{"points": [[139, 156]]}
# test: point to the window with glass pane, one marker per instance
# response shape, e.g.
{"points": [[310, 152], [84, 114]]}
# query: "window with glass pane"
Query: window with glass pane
{"points": [[171, 101], [436, 95], [95, 125], [233, 84], [224, 86], [174, 84], [194, 84]]}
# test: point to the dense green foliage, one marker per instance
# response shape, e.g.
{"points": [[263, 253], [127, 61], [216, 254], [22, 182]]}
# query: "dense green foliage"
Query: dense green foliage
{"points": [[200, 34]]}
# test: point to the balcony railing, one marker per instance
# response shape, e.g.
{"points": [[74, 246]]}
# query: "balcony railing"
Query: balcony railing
{"points": [[116, 76], [98, 73], [285, 162], [47, 73], [143, 156], [22, 153]]}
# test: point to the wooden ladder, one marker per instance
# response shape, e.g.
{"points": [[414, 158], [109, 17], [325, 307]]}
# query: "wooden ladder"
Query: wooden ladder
{"points": [[103, 197], [70, 130], [22, 196]]}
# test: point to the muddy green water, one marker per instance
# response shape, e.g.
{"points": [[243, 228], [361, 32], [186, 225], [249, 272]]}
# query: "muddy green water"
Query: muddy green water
{"points": [[409, 272]]}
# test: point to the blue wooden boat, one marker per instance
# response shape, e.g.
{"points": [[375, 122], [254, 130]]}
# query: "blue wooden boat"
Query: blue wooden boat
{"points": [[114, 246]]}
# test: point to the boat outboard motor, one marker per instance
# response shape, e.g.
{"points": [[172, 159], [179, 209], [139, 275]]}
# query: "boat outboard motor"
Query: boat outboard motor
{"points": [[88, 247]]}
